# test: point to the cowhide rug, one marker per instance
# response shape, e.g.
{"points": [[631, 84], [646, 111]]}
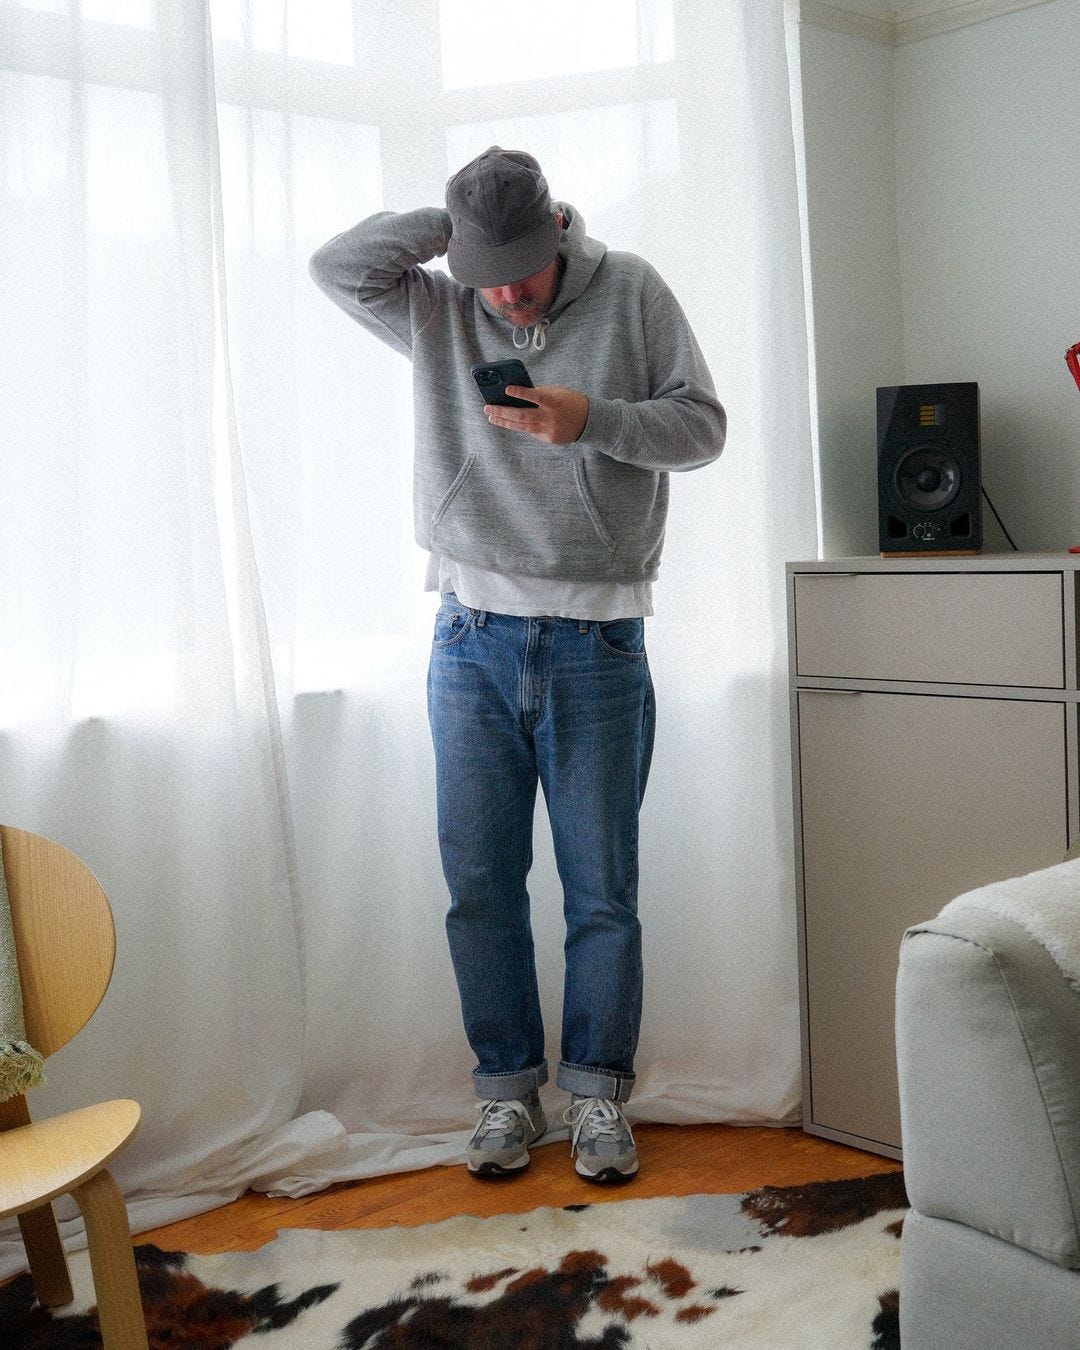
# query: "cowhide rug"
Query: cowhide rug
{"points": [[802, 1268]]}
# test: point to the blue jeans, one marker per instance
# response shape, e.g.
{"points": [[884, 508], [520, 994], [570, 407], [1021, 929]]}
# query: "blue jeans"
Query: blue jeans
{"points": [[568, 704]]}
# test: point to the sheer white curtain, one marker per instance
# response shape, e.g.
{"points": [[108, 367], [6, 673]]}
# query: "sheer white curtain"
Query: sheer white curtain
{"points": [[213, 639]]}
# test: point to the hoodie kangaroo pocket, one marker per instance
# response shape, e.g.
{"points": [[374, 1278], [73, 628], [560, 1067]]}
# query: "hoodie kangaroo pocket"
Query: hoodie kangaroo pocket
{"points": [[526, 511], [453, 490], [590, 507]]}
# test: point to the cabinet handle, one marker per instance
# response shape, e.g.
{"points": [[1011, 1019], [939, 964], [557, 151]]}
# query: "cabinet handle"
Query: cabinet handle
{"points": [[803, 575], [844, 693]]}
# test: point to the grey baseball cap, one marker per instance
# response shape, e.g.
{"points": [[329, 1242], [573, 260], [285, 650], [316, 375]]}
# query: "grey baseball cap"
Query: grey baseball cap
{"points": [[504, 226]]}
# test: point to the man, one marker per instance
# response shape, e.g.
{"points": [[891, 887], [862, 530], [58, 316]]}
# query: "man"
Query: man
{"points": [[545, 524]]}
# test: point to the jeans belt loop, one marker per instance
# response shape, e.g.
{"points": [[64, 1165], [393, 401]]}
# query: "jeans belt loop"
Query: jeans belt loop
{"points": [[481, 617], [583, 625]]}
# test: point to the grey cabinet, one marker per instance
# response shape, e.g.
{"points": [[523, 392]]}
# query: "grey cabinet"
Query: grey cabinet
{"points": [[934, 716]]}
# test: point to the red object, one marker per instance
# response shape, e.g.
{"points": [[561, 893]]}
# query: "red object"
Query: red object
{"points": [[1072, 360]]}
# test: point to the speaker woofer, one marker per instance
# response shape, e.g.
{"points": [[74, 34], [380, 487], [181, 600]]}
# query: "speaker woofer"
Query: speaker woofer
{"points": [[927, 478]]}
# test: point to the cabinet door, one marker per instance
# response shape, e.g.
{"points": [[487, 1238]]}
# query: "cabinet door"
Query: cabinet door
{"points": [[906, 801]]}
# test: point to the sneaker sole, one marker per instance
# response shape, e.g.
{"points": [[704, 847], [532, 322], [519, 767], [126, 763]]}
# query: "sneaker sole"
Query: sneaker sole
{"points": [[494, 1169], [607, 1176], [491, 1171]]}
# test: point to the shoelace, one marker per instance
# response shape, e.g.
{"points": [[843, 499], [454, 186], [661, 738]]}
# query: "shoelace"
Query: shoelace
{"points": [[604, 1119], [496, 1116]]}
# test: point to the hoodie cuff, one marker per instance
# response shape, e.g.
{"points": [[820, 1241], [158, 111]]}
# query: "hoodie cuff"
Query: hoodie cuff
{"points": [[604, 426]]}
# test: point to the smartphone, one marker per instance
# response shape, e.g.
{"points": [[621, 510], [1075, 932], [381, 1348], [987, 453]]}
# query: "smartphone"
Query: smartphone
{"points": [[492, 378]]}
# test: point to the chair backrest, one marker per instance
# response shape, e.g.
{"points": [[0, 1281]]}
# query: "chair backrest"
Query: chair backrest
{"points": [[64, 936]]}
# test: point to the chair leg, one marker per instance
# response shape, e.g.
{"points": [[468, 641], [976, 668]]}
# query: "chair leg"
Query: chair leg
{"points": [[112, 1261], [45, 1253]]}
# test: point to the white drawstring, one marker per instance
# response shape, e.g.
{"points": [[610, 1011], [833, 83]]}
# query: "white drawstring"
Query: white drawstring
{"points": [[539, 337]]}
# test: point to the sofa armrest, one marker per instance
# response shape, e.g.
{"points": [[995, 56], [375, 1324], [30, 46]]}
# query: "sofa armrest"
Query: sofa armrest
{"points": [[988, 1055]]}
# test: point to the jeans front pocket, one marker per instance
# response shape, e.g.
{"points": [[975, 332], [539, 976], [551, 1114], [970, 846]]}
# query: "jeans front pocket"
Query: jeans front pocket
{"points": [[621, 637], [452, 622]]}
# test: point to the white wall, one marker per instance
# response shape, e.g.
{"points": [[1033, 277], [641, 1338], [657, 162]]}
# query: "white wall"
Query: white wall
{"points": [[988, 193], [852, 248], [969, 140]]}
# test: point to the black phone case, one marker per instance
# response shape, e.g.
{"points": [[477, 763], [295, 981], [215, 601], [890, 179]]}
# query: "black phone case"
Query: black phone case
{"points": [[492, 377]]}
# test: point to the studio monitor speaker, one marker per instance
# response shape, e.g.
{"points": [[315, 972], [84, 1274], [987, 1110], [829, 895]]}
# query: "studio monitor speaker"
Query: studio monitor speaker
{"points": [[929, 488]]}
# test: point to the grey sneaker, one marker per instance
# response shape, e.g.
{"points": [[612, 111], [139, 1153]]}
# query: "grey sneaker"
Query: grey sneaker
{"points": [[603, 1139], [500, 1142]]}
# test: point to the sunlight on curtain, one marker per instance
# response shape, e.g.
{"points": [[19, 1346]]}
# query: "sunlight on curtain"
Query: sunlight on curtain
{"points": [[316, 32], [137, 720], [492, 43], [213, 635], [130, 13]]}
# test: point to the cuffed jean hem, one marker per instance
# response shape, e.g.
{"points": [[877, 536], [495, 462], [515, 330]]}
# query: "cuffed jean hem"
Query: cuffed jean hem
{"points": [[582, 1081], [509, 1087]]}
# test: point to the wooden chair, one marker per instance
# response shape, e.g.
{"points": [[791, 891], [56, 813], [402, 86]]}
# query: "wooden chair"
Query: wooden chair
{"points": [[66, 943]]}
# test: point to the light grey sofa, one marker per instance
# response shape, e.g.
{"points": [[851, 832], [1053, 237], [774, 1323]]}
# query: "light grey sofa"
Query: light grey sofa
{"points": [[988, 1054]]}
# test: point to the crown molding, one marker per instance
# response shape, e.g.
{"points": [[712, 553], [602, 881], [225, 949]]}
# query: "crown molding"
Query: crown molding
{"points": [[845, 16], [918, 21], [896, 27]]}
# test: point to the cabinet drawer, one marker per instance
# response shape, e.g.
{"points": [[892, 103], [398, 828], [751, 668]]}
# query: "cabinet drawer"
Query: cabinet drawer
{"points": [[1000, 628]]}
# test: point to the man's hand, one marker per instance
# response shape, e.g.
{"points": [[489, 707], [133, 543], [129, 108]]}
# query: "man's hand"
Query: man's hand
{"points": [[559, 417]]}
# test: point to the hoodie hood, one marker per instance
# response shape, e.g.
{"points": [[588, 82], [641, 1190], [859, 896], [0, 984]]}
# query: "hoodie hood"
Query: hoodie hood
{"points": [[581, 256]]}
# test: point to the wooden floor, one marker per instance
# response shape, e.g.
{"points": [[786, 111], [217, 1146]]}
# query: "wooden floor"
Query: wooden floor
{"points": [[675, 1160]]}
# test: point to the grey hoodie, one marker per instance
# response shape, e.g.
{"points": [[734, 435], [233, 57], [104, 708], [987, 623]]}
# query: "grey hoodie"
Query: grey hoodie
{"points": [[501, 500]]}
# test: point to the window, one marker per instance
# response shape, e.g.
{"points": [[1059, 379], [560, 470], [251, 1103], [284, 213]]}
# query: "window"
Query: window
{"points": [[326, 112]]}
